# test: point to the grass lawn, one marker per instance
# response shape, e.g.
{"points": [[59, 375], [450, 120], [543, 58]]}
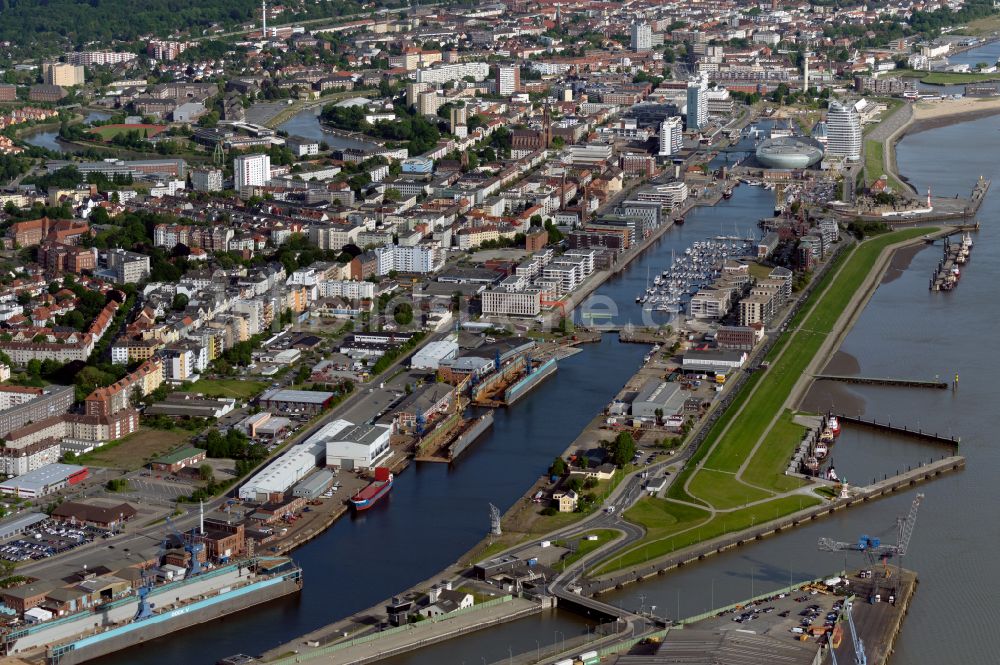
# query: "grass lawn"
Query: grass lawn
{"points": [[981, 26], [801, 345], [136, 449], [724, 490], [584, 546], [108, 132], [768, 465], [238, 388], [671, 527], [757, 271]]}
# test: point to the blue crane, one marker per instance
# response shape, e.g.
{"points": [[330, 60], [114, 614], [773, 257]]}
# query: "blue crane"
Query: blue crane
{"points": [[191, 547], [145, 609], [875, 550]]}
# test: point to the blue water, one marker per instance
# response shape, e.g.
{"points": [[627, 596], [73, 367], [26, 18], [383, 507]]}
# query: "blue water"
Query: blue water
{"points": [[50, 138]]}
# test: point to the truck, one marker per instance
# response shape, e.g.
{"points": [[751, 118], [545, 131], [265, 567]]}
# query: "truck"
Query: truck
{"points": [[589, 658]]}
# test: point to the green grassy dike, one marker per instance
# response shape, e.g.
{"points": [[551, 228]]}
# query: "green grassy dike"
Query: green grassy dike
{"points": [[719, 499]]}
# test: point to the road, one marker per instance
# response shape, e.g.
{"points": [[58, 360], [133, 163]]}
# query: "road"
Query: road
{"points": [[138, 539]]}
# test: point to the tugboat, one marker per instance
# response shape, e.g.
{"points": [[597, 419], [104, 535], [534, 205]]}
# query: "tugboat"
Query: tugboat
{"points": [[834, 424], [812, 465], [679, 221]]}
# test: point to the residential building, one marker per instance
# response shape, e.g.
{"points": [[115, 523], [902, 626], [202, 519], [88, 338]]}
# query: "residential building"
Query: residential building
{"points": [[128, 267], [671, 136], [62, 74], [642, 36], [206, 180], [251, 171], [508, 79], [697, 102]]}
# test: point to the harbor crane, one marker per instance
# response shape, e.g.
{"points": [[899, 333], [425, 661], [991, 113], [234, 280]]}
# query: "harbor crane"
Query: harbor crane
{"points": [[875, 550], [859, 648], [191, 547]]}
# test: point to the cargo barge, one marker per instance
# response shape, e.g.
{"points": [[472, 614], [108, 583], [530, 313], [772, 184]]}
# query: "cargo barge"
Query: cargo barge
{"points": [[117, 624], [375, 491]]}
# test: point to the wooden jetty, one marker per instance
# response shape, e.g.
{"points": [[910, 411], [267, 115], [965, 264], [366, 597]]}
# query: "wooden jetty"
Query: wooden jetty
{"points": [[904, 430], [883, 381]]}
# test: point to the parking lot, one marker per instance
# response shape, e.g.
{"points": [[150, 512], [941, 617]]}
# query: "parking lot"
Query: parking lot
{"points": [[784, 616], [47, 539]]}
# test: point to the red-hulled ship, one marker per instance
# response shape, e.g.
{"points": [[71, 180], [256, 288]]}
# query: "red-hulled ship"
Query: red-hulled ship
{"points": [[370, 495]]}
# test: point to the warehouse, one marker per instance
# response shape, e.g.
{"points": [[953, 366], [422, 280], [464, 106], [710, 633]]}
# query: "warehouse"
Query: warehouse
{"points": [[713, 361], [276, 478], [314, 485], [179, 459], [358, 447], [17, 525], [185, 405], [296, 401], [657, 396], [433, 354], [46, 480]]}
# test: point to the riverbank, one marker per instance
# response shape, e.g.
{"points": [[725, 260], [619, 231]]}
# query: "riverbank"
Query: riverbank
{"points": [[734, 480], [930, 114]]}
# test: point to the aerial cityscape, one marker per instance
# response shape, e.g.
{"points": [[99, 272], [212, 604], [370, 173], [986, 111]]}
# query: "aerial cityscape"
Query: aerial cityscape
{"points": [[539, 331]]}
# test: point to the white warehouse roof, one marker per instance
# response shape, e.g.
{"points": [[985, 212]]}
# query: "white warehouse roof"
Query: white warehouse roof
{"points": [[290, 467], [433, 353]]}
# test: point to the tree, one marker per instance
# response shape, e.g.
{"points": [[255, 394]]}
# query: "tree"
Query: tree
{"points": [[117, 485], [403, 314], [206, 473], [621, 450], [558, 467], [179, 302]]}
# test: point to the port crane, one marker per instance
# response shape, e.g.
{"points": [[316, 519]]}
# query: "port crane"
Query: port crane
{"points": [[191, 547], [875, 550], [859, 648]]}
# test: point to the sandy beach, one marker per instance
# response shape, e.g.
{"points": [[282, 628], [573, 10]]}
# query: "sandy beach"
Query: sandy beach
{"points": [[934, 114]]}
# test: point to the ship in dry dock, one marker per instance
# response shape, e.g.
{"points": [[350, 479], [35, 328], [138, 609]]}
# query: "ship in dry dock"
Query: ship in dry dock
{"points": [[102, 609]]}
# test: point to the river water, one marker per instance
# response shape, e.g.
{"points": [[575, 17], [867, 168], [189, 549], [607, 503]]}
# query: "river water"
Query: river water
{"points": [[306, 125], [49, 138], [436, 512], [906, 331]]}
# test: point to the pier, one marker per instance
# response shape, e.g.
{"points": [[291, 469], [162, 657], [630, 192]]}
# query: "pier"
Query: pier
{"points": [[904, 430], [883, 381]]}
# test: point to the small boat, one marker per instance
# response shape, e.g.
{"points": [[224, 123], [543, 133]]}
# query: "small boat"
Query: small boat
{"points": [[679, 221], [812, 464], [727, 194], [375, 491], [827, 436], [821, 450], [833, 423]]}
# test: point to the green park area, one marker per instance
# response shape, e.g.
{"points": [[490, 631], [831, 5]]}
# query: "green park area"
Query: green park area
{"points": [[108, 132], [580, 546], [235, 388], [736, 478]]}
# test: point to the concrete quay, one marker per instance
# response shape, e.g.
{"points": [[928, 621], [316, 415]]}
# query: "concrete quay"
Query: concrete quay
{"points": [[394, 641]]}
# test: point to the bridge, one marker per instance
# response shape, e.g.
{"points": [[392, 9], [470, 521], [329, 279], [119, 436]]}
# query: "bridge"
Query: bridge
{"points": [[883, 381]]}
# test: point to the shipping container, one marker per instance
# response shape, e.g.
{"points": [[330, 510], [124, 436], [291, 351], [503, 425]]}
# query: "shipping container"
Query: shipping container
{"points": [[564, 661]]}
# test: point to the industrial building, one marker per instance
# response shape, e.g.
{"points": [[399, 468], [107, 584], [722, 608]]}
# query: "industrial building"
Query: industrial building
{"points": [[304, 401], [430, 357], [314, 485], [658, 396], [721, 362], [181, 458], [358, 447], [276, 478], [20, 523], [46, 480], [188, 405]]}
